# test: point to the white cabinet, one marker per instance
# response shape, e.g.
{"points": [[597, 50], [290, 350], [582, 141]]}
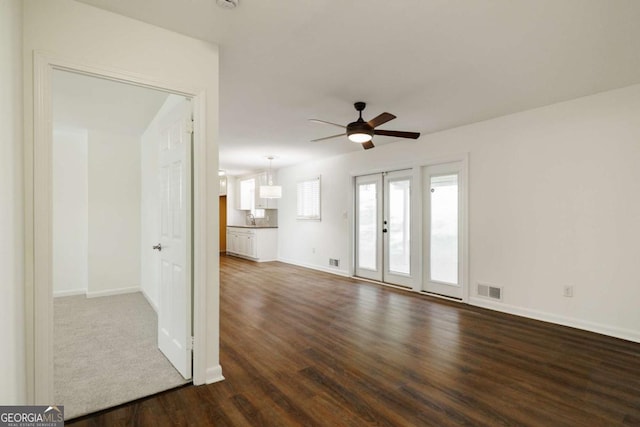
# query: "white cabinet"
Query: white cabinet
{"points": [[246, 193], [258, 244], [241, 242]]}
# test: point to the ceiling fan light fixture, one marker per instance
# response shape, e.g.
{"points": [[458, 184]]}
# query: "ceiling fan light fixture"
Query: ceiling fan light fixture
{"points": [[360, 137], [359, 131], [362, 132]]}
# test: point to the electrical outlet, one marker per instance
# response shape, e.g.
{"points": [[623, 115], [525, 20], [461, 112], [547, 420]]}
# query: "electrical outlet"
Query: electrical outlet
{"points": [[568, 291]]}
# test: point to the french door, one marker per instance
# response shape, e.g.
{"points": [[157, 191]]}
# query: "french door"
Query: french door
{"points": [[383, 227], [443, 240]]}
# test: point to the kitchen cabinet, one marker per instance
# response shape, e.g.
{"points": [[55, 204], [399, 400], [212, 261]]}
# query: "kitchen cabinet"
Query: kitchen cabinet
{"points": [[242, 243], [256, 243], [246, 193]]}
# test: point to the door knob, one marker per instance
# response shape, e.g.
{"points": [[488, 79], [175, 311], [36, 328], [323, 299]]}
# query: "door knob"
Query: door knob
{"points": [[158, 247]]}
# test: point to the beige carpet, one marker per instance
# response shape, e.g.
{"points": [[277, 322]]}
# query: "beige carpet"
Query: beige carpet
{"points": [[106, 353]]}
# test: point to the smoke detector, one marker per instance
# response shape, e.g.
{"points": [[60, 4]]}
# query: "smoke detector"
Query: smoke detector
{"points": [[227, 4]]}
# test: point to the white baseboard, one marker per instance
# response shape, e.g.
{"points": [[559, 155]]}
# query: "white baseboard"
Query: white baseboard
{"points": [[625, 334], [69, 293], [149, 300], [316, 267], [214, 375], [250, 258], [110, 292]]}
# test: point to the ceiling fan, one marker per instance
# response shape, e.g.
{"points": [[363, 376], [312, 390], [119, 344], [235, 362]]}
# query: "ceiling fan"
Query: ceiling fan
{"points": [[362, 132]]}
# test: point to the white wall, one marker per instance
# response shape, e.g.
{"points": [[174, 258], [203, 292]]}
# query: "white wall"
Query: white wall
{"points": [[552, 202], [150, 204], [114, 213], [12, 350], [70, 212]]}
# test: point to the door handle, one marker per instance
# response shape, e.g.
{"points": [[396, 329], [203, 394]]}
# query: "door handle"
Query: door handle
{"points": [[158, 247]]}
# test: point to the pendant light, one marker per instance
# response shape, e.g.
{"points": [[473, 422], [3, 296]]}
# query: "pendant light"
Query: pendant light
{"points": [[270, 191]]}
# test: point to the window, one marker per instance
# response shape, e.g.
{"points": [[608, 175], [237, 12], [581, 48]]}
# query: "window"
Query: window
{"points": [[308, 206]]}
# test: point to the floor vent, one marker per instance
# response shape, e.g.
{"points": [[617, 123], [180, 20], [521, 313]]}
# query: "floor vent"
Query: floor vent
{"points": [[334, 262], [489, 291]]}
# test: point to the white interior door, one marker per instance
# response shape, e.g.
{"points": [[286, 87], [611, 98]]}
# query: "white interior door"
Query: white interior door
{"points": [[444, 213], [174, 309], [383, 227]]}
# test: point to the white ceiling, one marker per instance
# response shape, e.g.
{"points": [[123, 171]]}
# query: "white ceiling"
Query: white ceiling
{"points": [[436, 64], [82, 102]]}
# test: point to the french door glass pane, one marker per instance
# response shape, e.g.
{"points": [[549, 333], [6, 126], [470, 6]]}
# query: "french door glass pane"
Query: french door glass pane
{"points": [[444, 229], [399, 226], [367, 226]]}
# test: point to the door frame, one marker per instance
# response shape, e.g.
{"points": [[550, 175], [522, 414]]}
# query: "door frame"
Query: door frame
{"points": [[460, 169], [417, 212], [376, 275], [38, 266], [387, 275], [382, 272]]}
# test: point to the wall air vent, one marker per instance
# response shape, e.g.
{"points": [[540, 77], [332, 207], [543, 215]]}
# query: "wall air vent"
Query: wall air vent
{"points": [[488, 291]]}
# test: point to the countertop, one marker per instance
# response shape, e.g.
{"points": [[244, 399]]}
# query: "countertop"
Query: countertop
{"points": [[253, 226]]}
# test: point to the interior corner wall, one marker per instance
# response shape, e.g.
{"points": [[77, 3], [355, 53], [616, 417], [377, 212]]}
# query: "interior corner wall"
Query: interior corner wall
{"points": [[552, 202], [113, 214], [12, 314], [85, 34], [150, 203], [70, 212]]}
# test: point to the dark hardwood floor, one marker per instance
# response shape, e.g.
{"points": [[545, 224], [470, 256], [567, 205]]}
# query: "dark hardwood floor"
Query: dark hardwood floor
{"points": [[305, 348]]}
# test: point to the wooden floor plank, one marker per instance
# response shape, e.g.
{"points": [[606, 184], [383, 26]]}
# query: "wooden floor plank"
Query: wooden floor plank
{"points": [[302, 347]]}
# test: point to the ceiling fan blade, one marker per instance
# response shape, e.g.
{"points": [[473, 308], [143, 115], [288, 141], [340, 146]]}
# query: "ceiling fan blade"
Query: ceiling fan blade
{"points": [[397, 133], [367, 145], [381, 119], [327, 123], [328, 137]]}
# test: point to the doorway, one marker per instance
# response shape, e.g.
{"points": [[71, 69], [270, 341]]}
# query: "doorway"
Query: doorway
{"points": [[384, 227], [121, 166], [410, 227]]}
